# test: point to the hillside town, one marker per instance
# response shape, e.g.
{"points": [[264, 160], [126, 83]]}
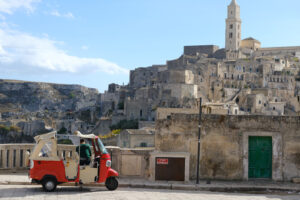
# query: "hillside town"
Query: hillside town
{"points": [[250, 98]]}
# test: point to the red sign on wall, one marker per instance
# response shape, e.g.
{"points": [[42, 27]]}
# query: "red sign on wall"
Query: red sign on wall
{"points": [[162, 161]]}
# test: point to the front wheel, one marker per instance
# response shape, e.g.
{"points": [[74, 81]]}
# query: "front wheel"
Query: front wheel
{"points": [[49, 184], [111, 183]]}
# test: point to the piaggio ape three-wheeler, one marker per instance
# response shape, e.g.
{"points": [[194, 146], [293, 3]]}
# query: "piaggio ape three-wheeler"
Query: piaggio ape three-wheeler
{"points": [[48, 169]]}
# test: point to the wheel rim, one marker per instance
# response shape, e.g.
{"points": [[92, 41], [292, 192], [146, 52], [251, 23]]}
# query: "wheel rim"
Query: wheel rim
{"points": [[49, 185], [112, 183]]}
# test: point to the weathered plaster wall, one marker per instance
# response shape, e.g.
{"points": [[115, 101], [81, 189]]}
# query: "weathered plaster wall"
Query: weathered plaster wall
{"points": [[223, 143]]}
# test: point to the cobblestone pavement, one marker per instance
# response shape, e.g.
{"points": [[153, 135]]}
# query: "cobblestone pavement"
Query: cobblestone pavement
{"points": [[74, 193]]}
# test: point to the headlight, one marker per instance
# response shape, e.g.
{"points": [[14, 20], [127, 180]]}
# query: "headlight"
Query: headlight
{"points": [[31, 164], [108, 163]]}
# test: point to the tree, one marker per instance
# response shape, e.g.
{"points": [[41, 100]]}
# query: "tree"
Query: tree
{"points": [[63, 130]]}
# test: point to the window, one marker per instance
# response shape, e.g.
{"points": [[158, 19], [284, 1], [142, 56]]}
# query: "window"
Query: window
{"points": [[232, 76], [46, 150], [141, 113], [276, 100], [231, 26], [143, 144], [244, 69], [259, 102], [273, 108], [225, 75], [298, 98], [230, 35], [235, 111]]}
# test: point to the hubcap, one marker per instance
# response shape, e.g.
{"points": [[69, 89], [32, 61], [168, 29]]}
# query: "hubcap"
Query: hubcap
{"points": [[49, 185]]}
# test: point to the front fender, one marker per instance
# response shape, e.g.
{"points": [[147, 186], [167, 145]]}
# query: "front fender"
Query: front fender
{"points": [[112, 172]]}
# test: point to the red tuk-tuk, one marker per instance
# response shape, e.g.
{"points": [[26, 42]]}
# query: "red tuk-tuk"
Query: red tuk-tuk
{"points": [[48, 169]]}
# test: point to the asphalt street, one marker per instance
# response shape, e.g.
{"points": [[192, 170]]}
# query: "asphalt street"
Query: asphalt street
{"points": [[74, 193]]}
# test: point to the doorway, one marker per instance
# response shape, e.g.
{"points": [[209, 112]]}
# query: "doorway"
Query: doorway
{"points": [[260, 157]]}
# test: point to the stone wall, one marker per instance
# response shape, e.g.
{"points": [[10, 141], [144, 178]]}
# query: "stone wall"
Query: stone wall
{"points": [[128, 162], [224, 143], [201, 49]]}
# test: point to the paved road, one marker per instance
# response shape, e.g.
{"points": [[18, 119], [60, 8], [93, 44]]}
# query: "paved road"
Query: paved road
{"points": [[74, 193]]}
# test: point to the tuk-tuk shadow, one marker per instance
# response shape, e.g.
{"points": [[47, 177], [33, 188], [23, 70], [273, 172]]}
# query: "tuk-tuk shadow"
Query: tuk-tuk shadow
{"points": [[76, 189], [18, 192]]}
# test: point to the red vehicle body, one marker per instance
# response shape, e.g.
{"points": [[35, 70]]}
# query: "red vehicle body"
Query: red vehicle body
{"points": [[50, 170]]}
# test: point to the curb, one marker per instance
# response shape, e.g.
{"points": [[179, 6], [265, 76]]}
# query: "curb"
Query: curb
{"points": [[165, 186]]}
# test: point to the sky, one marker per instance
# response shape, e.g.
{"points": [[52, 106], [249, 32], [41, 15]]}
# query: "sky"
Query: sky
{"points": [[97, 42]]}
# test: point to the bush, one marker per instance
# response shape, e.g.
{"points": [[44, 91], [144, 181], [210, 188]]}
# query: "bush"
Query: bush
{"points": [[72, 95], [116, 132], [63, 130], [15, 129], [121, 106], [65, 141], [125, 124], [111, 134], [4, 129]]}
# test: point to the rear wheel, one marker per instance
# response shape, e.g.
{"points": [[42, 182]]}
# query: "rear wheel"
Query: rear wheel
{"points": [[111, 183], [49, 184]]}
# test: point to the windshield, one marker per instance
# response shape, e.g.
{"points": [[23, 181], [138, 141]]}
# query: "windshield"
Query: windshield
{"points": [[102, 148]]}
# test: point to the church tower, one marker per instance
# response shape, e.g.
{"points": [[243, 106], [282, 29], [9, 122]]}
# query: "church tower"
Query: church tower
{"points": [[233, 29]]}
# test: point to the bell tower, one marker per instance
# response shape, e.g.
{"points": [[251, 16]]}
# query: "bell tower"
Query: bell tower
{"points": [[233, 29]]}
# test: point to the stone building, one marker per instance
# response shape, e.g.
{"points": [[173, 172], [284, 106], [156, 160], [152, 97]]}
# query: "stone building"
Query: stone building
{"points": [[131, 138], [232, 147], [244, 75]]}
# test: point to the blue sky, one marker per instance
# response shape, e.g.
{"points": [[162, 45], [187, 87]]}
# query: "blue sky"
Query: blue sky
{"points": [[97, 42]]}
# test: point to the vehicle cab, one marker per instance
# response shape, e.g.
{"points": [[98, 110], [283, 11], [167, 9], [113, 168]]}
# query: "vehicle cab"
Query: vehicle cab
{"points": [[48, 169]]}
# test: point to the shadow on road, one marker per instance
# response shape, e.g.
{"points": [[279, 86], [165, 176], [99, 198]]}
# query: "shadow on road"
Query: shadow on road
{"points": [[17, 192]]}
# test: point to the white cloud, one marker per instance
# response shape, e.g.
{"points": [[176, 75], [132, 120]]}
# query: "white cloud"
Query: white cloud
{"points": [[9, 6], [24, 53], [84, 47], [66, 15]]}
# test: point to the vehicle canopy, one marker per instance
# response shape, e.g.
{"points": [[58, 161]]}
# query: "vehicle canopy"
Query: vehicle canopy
{"points": [[45, 148], [89, 136], [46, 145]]}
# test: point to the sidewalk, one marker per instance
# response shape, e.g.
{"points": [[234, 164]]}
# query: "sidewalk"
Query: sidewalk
{"points": [[216, 186]]}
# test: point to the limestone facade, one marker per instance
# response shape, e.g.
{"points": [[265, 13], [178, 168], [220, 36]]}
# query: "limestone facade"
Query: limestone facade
{"points": [[224, 143]]}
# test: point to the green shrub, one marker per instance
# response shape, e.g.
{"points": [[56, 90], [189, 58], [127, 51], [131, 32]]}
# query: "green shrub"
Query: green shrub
{"points": [[63, 130], [15, 129], [65, 141], [121, 106], [125, 124], [4, 129]]}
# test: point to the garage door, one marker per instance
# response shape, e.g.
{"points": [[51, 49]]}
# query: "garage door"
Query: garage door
{"points": [[169, 169]]}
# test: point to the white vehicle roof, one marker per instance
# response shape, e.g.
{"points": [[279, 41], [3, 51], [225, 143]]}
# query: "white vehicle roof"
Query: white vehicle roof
{"points": [[89, 136]]}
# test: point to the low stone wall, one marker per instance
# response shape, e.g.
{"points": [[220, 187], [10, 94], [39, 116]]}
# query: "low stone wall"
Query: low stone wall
{"points": [[12, 156], [131, 162], [128, 162]]}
